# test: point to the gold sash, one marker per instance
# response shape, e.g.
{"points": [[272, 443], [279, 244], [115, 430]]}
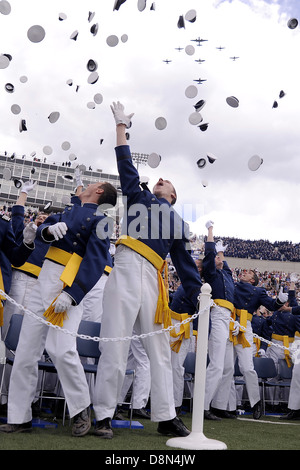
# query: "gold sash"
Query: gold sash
{"points": [[243, 315], [29, 268], [184, 331], [71, 263], [286, 343], [163, 313]]}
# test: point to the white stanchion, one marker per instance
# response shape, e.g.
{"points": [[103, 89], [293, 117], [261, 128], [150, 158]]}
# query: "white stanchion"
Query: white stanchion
{"points": [[196, 440]]}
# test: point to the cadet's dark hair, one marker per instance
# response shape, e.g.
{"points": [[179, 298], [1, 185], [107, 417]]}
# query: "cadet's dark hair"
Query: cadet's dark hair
{"points": [[109, 196], [255, 277]]}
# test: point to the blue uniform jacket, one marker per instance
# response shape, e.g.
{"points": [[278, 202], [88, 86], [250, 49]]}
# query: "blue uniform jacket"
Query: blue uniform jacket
{"points": [[262, 327], [159, 226], [249, 297], [285, 323], [220, 280], [41, 248], [11, 251], [82, 238]]}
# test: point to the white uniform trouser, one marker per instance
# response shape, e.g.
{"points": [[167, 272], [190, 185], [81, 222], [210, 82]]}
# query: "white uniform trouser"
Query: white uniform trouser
{"points": [[276, 394], [139, 361], [130, 299], [20, 290], [34, 337], [220, 368], [177, 360], [245, 358], [294, 397], [92, 303]]}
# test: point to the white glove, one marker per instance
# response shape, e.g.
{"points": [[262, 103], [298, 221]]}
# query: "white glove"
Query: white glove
{"points": [[209, 224], [28, 186], [78, 175], [220, 246], [62, 303], [58, 230], [236, 329], [29, 233], [261, 352], [282, 296], [120, 116]]}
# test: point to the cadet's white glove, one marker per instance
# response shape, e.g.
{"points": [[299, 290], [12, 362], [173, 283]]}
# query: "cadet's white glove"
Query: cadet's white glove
{"points": [[78, 175], [28, 186], [209, 224], [261, 352], [62, 303], [29, 233], [120, 116], [282, 296], [220, 246], [236, 329], [58, 230]]}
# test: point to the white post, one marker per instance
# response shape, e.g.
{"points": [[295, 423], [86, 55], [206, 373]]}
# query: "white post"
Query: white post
{"points": [[196, 439]]}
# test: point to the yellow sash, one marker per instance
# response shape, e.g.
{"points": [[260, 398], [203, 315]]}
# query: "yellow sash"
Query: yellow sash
{"points": [[71, 263], [163, 313], [243, 315], [29, 268], [1, 298], [184, 330], [286, 343], [257, 342], [224, 303]]}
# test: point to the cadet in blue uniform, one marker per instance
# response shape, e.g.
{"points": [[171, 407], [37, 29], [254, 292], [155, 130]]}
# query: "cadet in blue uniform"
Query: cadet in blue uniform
{"points": [[12, 252], [135, 294], [217, 273], [181, 308], [262, 327], [247, 298], [79, 243]]}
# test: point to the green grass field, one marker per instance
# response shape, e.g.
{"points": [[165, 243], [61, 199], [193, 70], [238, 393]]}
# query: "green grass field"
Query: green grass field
{"points": [[268, 433]]}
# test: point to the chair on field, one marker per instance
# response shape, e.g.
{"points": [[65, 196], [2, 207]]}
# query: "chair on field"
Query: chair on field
{"points": [[44, 365], [89, 348], [266, 369], [189, 373], [285, 374]]}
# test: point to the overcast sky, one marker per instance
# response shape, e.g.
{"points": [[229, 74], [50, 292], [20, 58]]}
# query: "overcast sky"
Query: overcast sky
{"points": [[242, 203]]}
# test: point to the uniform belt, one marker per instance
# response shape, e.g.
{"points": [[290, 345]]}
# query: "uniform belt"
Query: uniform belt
{"points": [[224, 303], [29, 268], [71, 261], [162, 314], [286, 343], [184, 331]]}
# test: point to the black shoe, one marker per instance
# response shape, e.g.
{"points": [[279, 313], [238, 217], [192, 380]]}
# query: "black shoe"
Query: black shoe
{"points": [[81, 423], [118, 414], [173, 427], [292, 414], [257, 410], [10, 428], [224, 413], [209, 415], [139, 413], [103, 429]]}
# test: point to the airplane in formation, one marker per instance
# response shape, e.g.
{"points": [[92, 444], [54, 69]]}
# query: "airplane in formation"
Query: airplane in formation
{"points": [[200, 80], [199, 61], [234, 58], [179, 48], [220, 48], [199, 41], [167, 61]]}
